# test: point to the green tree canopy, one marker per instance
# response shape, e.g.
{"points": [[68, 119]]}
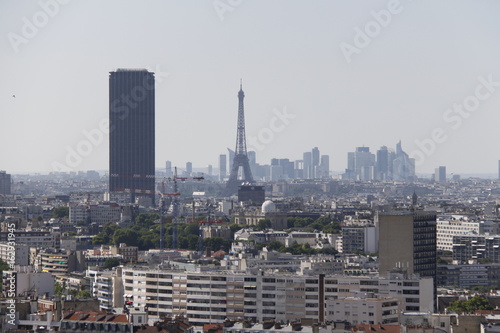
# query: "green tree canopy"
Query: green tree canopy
{"points": [[60, 212], [111, 262], [471, 305], [263, 224]]}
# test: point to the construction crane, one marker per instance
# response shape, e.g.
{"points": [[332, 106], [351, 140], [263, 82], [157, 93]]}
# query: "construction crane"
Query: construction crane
{"points": [[175, 206]]}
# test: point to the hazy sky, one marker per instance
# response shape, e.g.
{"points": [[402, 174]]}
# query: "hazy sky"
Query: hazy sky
{"points": [[331, 74]]}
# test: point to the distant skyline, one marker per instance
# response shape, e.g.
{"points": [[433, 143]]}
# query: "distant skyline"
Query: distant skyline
{"points": [[329, 74]]}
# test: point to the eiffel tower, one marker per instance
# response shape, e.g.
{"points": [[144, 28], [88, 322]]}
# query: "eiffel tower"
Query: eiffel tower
{"points": [[240, 153]]}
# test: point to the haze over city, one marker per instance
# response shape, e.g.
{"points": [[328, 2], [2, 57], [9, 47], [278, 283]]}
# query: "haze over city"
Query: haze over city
{"points": [[336, 75]]}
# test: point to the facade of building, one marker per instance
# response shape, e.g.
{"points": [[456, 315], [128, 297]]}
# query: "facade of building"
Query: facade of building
{"points": [[5, 183], [251, 193], [20, 250], [211, 297], [469, 275], [222, 167], [27, 282], [128, 253], [101, 214], [42, 239], [440, 175], [132, 138], [107, 286], [211, 231], [359, 239], [407, 240], [364, 310], [57, 262], [477, 248], [455, 225], [252, 215]]}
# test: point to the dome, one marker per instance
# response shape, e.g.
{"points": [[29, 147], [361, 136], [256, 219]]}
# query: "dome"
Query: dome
{"points": [[268, 207]]}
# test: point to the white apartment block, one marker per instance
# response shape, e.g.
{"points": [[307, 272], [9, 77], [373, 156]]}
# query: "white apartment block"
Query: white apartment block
{"points": [[42, 239], [454, 225], [101, 214], [363, 310], [212, 296], [107, 286]]}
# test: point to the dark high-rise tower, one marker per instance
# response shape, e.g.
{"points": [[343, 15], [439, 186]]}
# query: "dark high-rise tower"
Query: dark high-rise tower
{"points": [[132, 132], [240, 153]]}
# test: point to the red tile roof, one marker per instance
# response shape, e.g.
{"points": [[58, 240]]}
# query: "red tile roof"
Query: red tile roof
{"points": [[377, 328], [96, 317]]}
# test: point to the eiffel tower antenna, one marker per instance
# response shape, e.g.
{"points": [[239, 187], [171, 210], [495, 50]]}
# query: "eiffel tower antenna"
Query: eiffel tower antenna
{"points": [[240, 153]]}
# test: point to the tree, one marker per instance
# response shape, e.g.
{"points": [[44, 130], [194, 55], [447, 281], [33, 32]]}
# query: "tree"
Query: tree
{"points": [[235, 227], [3, 266], [274, 245], [217, 243], [263, 224], [59, 288], [332, 228], [127, 235], [146, 220], [84, 294], [111, 262], [60, 212], [471, 305], [191, 229], [106, 235]]}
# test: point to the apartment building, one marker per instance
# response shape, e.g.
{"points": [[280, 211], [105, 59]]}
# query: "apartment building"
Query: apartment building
{"points": [[107, 286], [364, 310], [359, 239], [454, 225], [477, 248], [101, 213], [19, 252], [213, 296], [42, 239]]}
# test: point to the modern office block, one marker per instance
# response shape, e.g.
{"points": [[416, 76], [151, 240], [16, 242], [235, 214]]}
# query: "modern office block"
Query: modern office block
{"points": [[132, 132]]}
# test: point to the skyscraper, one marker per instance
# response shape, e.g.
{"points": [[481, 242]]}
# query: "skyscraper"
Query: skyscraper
{"points": [[440, 175], [364, 163], [5, 183], [403, 167], [189, 168], [382, 165], [315, 162], [222, 167], [132, 132], [168, 169], [324, 167], [307, 157], [407, 240]]}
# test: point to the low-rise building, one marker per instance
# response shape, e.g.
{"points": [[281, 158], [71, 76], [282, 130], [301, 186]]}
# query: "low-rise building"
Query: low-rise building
{"points": [[27, 282], [363, 310], [101, 213]]}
